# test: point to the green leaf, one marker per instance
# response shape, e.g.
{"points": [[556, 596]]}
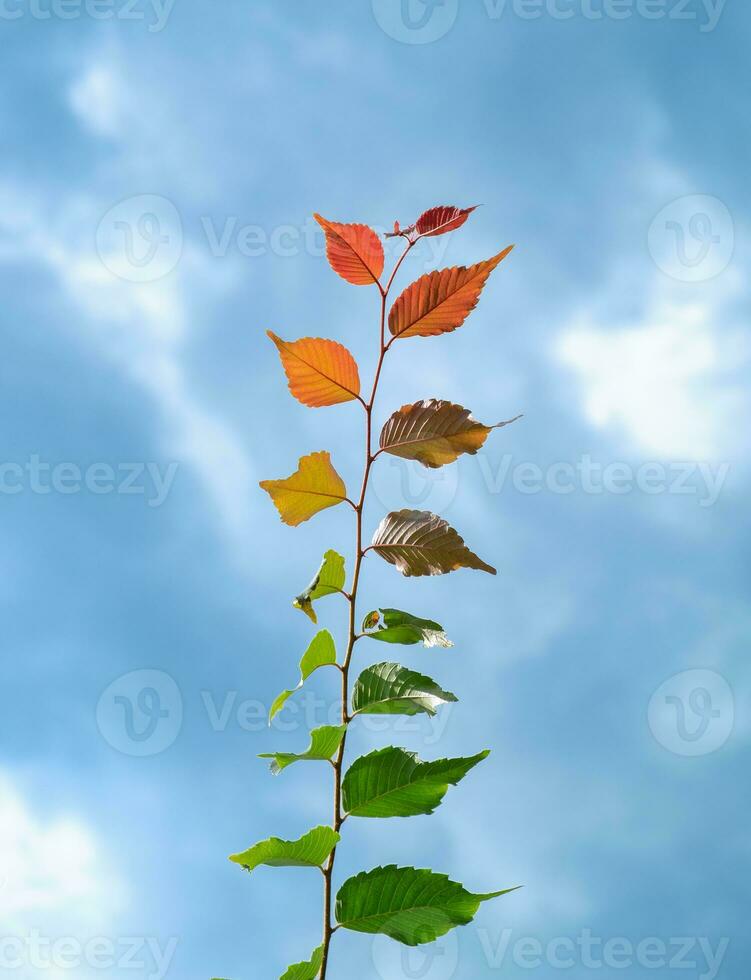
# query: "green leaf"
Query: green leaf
{"points": [[308, 970], [320, 653], [324, 743], [403, 627], [392, 782], [389, 689], [411, 905], [309, 852], [328, 579]]}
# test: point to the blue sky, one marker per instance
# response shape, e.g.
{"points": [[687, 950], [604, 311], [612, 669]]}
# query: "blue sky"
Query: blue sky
{"points": [[606, 665]]}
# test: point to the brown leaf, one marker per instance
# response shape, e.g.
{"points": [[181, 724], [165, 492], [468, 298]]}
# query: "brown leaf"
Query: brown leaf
{"points": [[421, 543], [319, 372], [314, 486], [354, 251], [439, 302], [434, 432]]}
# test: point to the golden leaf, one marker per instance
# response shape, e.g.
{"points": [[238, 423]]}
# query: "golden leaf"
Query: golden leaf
{"points": [[314, 486]]}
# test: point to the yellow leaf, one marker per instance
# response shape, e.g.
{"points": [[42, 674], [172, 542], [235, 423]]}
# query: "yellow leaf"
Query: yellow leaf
{"points": [[314, 486]]}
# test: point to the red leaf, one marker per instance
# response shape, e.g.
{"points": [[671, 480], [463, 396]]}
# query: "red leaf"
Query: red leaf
{"points": [[440, 220], [354, 251]]}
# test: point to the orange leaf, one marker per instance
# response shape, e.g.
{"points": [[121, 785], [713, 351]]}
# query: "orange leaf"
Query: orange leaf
{"points": [[355, 252], [434, 432], [314, 486], [440, 220], [441, 301], [320, 372]]}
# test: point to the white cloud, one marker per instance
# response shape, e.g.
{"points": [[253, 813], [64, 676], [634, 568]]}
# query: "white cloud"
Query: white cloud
{"points": [[96, 99], [141, 326], [55, 876], [669, 384]]}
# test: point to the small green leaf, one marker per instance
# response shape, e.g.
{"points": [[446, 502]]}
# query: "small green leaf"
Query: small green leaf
{"points": [[389, 689], [403, 627], [320, 653], [309, 852], [411, 905], [324, 743], [392, 782], [328, 579], [308, 970]]}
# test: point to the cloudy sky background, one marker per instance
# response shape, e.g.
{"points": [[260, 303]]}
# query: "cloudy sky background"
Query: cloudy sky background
{"points": [[619, 327]]}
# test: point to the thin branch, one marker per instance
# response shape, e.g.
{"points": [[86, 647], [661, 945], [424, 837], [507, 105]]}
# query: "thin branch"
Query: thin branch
{"points": [[328, 928]]}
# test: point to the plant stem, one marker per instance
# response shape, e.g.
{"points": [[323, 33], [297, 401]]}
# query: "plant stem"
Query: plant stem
{"points": [[328, 929]]}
